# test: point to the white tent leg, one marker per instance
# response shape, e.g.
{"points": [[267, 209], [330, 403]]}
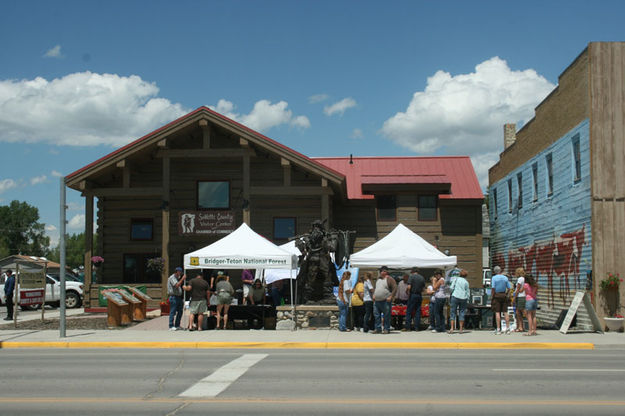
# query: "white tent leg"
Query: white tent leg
{"points": [[292, 302]]}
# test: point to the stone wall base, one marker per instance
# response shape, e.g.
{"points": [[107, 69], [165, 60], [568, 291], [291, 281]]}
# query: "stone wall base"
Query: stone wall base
{"points": [[308, 316]]}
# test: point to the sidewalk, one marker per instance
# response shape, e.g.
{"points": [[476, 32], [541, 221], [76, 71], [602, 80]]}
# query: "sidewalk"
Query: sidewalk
{"points": [[154, 334]]}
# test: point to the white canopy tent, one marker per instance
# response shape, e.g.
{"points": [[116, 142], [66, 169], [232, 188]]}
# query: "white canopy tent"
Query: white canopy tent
{"points": [[241, 249], [402, 248], [272, 275]]}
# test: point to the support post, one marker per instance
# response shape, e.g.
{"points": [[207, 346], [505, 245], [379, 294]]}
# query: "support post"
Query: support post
{"points": [[246, 189], [325, 205], [165, 226], [88, 246], [62, 260]]}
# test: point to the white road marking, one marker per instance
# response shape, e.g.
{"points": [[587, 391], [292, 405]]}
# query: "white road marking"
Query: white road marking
{"points": [[223, 377], [571, 370]]}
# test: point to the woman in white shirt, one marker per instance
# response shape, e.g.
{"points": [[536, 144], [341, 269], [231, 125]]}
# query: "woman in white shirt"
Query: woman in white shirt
{"points": [[345, 292]]}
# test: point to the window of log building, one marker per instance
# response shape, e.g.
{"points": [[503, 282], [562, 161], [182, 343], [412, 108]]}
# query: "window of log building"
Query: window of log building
{"points": [[386, 207], [136, 269], [141, 229], [283, 228], [213, 195], [427, 208]]}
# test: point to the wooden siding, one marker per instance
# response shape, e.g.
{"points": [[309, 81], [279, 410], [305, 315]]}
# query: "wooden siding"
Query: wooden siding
{"points": [[607, 130], [457, 227], [116, 212]]}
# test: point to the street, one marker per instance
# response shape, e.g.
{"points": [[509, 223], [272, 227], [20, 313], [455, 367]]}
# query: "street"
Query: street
{"points": [[189, 382]]}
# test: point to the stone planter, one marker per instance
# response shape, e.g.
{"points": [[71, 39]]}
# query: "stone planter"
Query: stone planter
{"points": [[614, 324]]}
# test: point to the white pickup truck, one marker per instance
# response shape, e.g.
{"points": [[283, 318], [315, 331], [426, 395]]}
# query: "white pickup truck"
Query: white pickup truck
{"points": [[73, 292]]}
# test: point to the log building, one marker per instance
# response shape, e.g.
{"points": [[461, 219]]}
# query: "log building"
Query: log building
{"points": [[197, 178]]}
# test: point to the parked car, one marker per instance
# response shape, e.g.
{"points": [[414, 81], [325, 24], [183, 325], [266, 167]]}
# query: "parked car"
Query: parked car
{"points": [[73, 292]]}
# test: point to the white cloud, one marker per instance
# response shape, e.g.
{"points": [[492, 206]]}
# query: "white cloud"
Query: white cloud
{"points": [[54, 52], [301, 122], [82, 109], [56, 174], [38, 179], [339, 107], [54, 152], [263, 116], [465, 114], [77, 222], [317, 98], [50, 227], [356, 134], [73, 206], [6, 184]]}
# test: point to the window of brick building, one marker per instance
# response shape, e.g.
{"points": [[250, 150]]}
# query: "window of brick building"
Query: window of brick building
{"points": [[495, 202], [509, 195], [577, 159], [535, 177], [549, 162], [519, 181]]}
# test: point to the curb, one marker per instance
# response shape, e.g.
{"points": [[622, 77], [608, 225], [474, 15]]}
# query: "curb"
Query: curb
{"points": [[306, 345]]}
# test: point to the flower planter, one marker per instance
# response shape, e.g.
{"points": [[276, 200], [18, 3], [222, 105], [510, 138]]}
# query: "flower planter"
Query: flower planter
{"points": [[614, 324]]}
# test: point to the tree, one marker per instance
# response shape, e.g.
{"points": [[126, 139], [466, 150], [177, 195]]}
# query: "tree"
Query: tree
{"points": [[74, 250], [21, 232]]}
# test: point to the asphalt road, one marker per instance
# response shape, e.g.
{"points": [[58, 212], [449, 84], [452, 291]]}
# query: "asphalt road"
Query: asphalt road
{"points": [[194, 382]]}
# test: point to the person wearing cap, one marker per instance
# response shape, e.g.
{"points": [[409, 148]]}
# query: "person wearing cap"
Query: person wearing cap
{"points": [[174, 291]]}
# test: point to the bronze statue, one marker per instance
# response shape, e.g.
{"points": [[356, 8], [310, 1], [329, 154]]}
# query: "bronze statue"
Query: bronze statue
{"points": [[317, 276]]}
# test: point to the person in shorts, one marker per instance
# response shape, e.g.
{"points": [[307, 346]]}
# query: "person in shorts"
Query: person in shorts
{"points": [[499, 298], [519, 298], [224, 291], [200, 293]]}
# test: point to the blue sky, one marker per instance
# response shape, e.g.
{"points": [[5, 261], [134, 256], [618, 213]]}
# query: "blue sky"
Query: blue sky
{"points": [[326, 78]]}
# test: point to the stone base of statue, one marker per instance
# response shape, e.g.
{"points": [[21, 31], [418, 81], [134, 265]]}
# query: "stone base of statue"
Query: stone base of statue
{"points": [[308, 316]]}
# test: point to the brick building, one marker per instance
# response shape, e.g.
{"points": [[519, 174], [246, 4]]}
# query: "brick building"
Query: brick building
{"points": [[557, 194]]}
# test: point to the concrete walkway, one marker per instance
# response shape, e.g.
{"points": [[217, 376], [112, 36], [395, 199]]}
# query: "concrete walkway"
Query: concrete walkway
{"points": [[154, 334]]}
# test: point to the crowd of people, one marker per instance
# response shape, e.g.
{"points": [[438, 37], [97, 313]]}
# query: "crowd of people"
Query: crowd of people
{"points": [[371, 299], [219, 291]]}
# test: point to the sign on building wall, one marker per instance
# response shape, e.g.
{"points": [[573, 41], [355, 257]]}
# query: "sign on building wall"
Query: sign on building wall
{"points": [[205, 222]]}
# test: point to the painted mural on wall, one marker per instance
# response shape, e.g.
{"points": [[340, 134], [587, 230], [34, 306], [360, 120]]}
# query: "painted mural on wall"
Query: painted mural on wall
{"points": [[555, 262], [540, 218]]}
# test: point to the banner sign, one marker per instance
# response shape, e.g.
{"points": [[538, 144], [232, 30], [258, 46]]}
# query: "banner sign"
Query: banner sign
{"points": [[32, 280], [205, 222], [31, 297], [238, 261]]}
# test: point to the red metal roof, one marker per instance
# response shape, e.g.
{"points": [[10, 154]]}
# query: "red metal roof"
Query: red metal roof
{"points": [[457, 170], [181, 119], [404, 179]]}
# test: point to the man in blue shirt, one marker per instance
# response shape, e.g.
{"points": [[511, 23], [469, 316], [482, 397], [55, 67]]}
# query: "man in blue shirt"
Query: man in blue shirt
{"points": [[9, 287], [499, 298]]}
